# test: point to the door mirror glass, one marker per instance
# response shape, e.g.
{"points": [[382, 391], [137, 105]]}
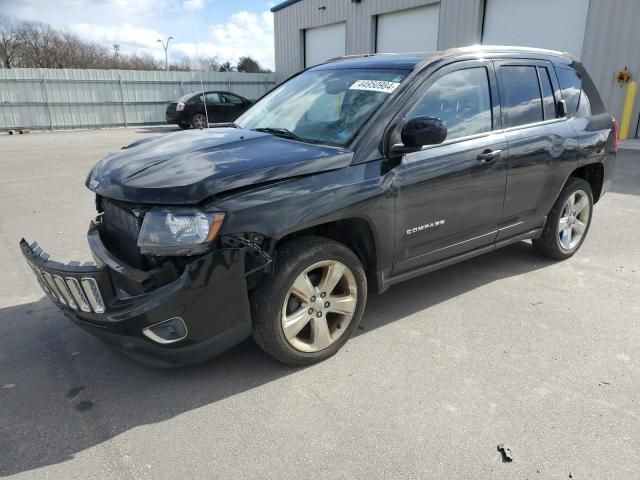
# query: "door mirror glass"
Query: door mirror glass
{"points": [[423, 130]]}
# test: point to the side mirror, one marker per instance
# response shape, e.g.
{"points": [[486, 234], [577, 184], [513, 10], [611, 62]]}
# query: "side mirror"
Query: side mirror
{"points": [[562, 108], [420, 131]]}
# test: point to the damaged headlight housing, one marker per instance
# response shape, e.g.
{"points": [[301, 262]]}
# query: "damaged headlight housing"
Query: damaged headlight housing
{"points": [[178, 231]]}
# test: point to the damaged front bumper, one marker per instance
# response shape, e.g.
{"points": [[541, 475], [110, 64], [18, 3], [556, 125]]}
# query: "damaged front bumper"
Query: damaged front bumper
{"points": [[154, 317]]}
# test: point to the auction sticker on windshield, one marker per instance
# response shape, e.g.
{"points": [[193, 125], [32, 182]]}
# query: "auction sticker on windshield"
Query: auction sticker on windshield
{"points": [[374, 86]]}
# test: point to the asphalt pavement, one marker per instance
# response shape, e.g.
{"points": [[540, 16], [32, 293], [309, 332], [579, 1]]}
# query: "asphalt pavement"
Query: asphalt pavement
{"points": [[509, 348]]}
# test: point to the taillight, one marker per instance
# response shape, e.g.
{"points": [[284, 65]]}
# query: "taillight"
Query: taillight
{"points": [[180, 107], [616, 135]]}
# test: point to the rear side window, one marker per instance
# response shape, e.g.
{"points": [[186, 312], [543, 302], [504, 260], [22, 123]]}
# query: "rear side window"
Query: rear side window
{"points": [[571, 88], [521, 102], [461, 99], [232, 99], [212, 98], [548, 102]]}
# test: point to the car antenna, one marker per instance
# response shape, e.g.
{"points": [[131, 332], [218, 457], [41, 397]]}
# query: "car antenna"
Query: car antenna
{"points": [[204, 97]]}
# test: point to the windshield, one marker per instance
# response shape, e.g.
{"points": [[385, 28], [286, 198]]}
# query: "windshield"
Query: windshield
{"points": [[323, 106]]}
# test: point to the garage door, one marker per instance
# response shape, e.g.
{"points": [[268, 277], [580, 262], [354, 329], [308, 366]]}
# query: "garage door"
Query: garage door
{"points": [[323, 43], [413, 30], [558, 25]]}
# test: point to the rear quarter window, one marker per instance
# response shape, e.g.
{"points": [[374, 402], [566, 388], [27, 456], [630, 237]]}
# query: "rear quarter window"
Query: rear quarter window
{"points": [[578, 103]]}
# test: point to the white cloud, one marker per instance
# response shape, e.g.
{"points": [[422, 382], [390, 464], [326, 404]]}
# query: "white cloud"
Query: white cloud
{"points": [[246, 33], [136, 25], [193, 4], [125, 35], [62, 12]]}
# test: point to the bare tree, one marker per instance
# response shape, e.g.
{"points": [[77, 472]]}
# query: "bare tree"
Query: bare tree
{"points": [[39, 45], [9, 41], [227, 67]]}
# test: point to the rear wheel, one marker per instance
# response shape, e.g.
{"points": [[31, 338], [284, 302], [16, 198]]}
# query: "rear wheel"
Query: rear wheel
{"points": [[568, 222], [199, 120], [313, 302]]}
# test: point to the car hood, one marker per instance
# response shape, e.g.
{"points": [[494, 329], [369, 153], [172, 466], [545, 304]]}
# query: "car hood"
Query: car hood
{"points": [[188, 167]]}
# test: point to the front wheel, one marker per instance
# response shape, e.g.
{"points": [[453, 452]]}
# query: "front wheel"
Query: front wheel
{"points": [[313, 302], [199, 121], [568, 222]]}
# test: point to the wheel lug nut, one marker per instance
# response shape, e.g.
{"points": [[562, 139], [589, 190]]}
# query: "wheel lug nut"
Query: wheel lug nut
{"points": [[319, 314], [326, 304], [310, 311], [322, 295], [313, 299]]}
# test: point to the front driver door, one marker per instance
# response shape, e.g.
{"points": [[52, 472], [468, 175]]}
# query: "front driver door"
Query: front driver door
{"points": [[449, 197]]}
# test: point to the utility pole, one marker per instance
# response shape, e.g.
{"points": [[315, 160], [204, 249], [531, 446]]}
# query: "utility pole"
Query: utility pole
{"points": [[166, 48]]}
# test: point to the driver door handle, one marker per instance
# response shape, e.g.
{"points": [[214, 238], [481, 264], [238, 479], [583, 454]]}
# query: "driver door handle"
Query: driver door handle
{"points": [[489, 156]]}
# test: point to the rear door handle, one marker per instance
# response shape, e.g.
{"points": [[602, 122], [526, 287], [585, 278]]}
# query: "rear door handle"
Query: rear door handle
{"points": [[489, 156]]}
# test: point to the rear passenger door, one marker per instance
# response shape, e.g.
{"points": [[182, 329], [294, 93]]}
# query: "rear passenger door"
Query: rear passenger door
{"points": [[235, 105], [542, 145]]}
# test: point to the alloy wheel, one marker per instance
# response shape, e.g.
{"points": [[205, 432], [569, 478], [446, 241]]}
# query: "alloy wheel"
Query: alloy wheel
{"points": [[574, 220], [319, 306], [199, 121]]}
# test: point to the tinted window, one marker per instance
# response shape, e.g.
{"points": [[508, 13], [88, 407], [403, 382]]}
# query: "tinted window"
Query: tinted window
{"points": [[548, 102], [521, 102], [584, 107], [232, 98], [212, 98], [570, 86], [461, 99]]}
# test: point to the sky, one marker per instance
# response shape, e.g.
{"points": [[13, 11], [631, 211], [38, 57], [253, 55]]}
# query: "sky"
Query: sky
{"points": [[226, 29]]}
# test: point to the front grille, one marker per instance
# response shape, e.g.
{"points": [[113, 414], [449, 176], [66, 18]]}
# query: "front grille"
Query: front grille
{"points": [[121, 228]]}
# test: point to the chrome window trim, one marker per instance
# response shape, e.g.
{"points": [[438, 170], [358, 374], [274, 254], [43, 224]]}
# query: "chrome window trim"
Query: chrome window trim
{"points": [[492, 132]]}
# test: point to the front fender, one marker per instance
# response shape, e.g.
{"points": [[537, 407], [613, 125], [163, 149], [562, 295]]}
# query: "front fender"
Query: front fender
{"points": [[276, 211]]}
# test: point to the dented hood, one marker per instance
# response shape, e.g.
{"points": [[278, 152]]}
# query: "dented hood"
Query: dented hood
{"points": [[188, 167]]}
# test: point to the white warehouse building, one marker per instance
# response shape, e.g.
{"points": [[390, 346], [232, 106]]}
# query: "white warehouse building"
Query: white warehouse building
{"points": [[599, 33]]}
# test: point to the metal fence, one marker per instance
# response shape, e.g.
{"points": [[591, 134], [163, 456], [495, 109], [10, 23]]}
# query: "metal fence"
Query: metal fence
{"points": [[59, 99]]}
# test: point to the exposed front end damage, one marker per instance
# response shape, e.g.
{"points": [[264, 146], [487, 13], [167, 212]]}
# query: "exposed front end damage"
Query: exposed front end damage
{"points": [[162, 316]]}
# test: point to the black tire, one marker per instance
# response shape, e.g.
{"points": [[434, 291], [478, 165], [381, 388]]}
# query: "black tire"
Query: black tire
{"points": [[184, 126], [549, 243], [268, 298], [199, 121]]}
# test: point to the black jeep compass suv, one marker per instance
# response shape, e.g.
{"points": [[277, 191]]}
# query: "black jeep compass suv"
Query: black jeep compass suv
{"points": [[351, 176]]}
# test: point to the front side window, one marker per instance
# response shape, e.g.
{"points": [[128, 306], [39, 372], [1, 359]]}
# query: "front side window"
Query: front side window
{"points": [[521, 101], [461, 99], [323, 106]]}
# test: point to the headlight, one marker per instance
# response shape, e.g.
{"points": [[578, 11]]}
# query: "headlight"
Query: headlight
{"points": [[178, 232]]}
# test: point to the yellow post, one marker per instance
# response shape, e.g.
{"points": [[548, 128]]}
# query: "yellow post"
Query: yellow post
{"points": [[628, 108]]}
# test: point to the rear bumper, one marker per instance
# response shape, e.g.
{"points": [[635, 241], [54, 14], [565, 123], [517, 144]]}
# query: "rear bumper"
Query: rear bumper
{"points": [[116, 302]]}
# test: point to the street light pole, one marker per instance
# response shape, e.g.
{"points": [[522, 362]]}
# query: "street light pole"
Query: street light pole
{"points": [[166, 55]]}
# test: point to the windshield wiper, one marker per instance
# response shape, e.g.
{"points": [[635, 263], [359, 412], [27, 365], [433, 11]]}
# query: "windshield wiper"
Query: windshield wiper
{"points": [[280, 132]]}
